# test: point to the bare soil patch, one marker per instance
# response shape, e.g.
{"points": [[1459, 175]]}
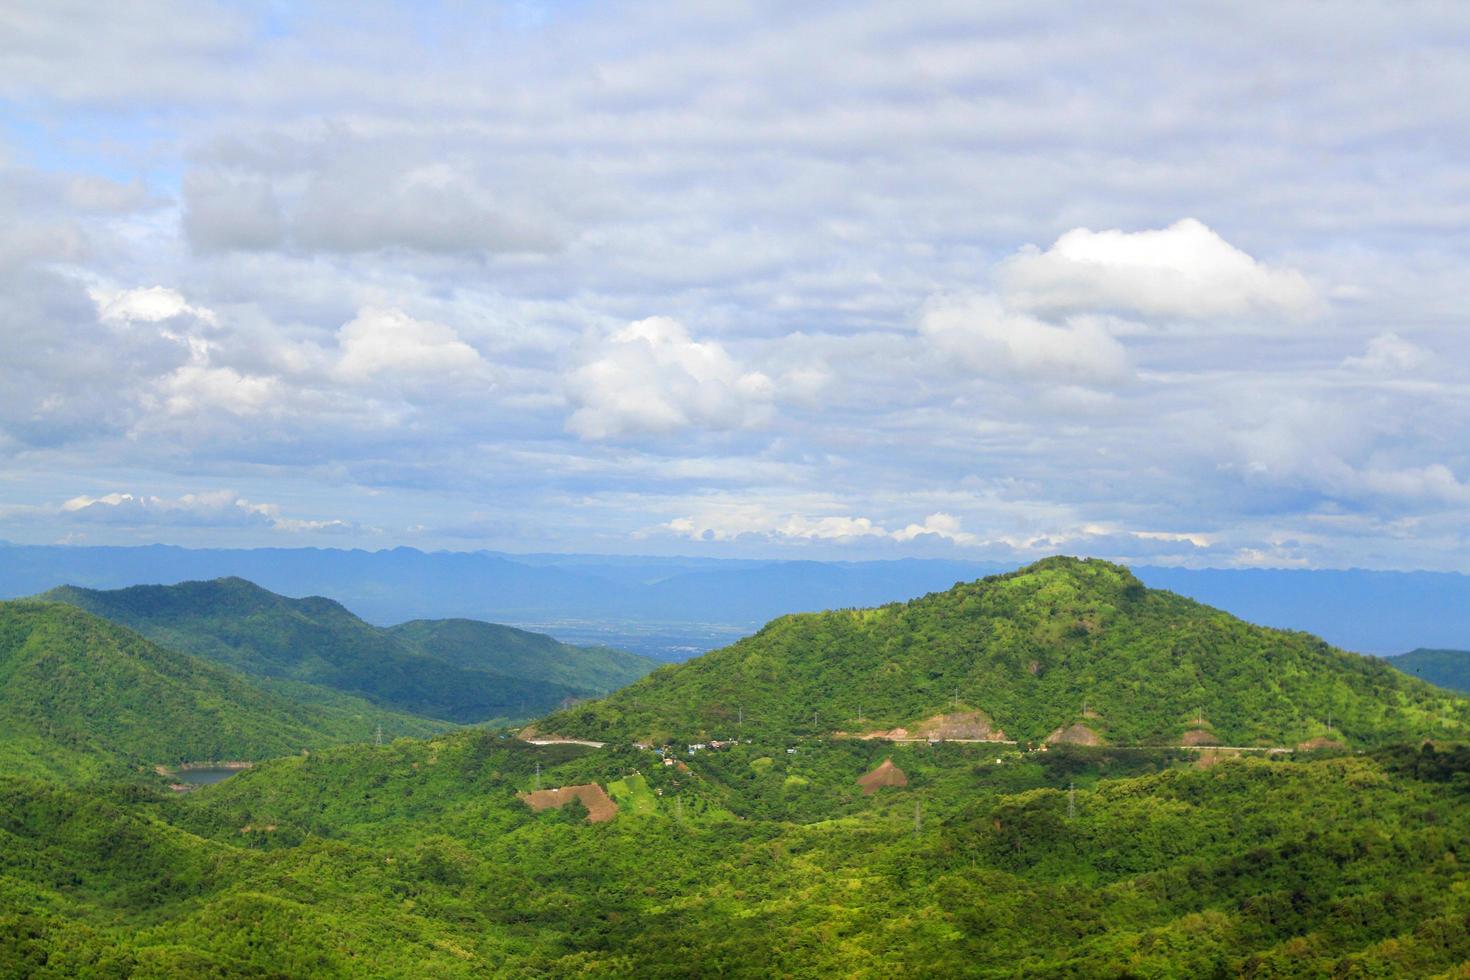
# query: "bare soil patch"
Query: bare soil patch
{"points": [[1198, 736], [1078, 734], [600, 807], [972, 725], [1320, 742], [887, 774]]}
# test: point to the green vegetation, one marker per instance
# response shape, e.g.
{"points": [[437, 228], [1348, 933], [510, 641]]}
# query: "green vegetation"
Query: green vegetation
{"points": [[1062, 642], [83, 698], [460, 672], [519, 653], [1446, 668], [417, 860], [763, 856]]}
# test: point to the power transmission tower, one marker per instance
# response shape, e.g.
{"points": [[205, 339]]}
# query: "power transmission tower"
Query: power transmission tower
{"points": [[378, 737], [679, 806], [538, 775], [918, 819], [1071, 800]]}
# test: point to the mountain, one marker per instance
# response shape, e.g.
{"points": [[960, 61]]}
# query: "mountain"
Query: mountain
{"points": [[1078, 649], [672, 608], [82, 697], [519, 653], [1445, 668], [317, 641]]}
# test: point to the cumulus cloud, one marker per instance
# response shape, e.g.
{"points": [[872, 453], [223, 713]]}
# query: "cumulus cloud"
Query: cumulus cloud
{"points": [[196, 387], [653, 377], [380, 342], [731, 521], [150, 304], [1388, 353], [981, 334], [215, 508], [1184, 271]]}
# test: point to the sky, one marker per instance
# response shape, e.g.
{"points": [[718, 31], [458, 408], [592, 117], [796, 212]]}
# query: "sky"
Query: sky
{"points": [[1168, 285]]}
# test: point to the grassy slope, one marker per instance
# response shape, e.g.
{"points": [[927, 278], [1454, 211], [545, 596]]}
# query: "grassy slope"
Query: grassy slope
{"points": [[1446, 668], [313, 640], [519, 653], [1033, 649], [82, 697]]}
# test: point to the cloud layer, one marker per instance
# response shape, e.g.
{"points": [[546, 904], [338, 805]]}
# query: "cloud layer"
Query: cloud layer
{"points": [[993, 281]]}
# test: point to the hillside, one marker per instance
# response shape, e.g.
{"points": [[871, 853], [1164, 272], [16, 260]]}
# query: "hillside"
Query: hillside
{"points": [[317, 641], [1445, 668], [520, 653], [1064, 645], [420, 859], [82, 697]]}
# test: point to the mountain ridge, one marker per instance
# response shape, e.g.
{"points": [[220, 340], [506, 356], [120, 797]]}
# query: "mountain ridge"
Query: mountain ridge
{"points": [[1063, 642], [317, 640]]}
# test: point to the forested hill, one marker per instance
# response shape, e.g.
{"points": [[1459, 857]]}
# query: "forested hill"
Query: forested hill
{"points": [[1064, 644], [318, 641], [520, 653], [1447, 668], [81, 697]]}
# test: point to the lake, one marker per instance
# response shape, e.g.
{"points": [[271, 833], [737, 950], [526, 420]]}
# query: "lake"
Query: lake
{"points": [[205, 775]]}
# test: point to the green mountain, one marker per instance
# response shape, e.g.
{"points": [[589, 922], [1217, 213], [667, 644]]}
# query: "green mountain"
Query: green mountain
{"points": [[317, 641], [81, 697], [519, 653], [1445, 668], [1063, 646]]}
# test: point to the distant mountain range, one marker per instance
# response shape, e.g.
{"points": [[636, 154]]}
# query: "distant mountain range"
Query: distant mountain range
{"points": [[1066, 650], [1447, 668], [673, 608], [458, 671]]}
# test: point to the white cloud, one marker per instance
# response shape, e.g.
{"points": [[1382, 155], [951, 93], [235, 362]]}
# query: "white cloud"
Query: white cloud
{"points": [[652, 377], [215, 508], [730, 521], [982, 335], [1389, 353], [194, 387], [389, 342], [1184, 271], [150, 304]]}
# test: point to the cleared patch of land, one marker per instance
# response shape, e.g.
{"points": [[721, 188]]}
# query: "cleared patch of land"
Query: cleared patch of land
{"points": [[887, 774], [1078, 734], [600, 807]]}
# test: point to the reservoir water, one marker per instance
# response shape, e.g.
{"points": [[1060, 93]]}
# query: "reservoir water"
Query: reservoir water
{"points": [[205, 775]]}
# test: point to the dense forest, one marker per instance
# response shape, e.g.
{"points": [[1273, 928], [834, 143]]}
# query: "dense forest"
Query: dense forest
{"points": [[780, 850]]}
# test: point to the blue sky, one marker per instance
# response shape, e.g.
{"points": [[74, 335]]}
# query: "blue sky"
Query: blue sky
{"points": [[826, 280]]}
